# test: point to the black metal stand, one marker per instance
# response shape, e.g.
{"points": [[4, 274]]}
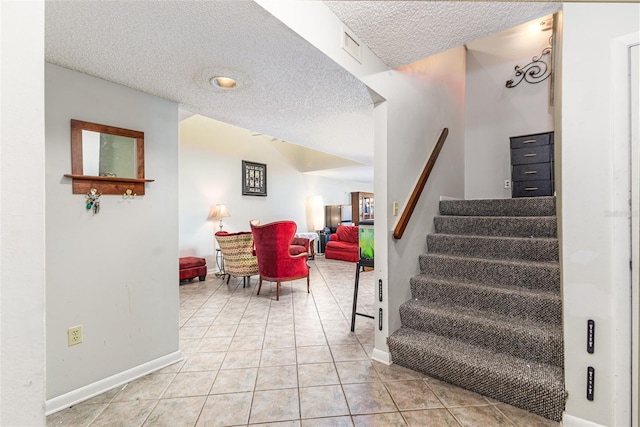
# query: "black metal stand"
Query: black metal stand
{"points": [[220, 264], [360, 265]]}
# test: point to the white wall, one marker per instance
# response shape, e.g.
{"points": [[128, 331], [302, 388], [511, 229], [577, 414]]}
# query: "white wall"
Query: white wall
{"points": [[422, 99], [211, 154], [115, 273], [589, 215], [494, 112], [22, 256]]}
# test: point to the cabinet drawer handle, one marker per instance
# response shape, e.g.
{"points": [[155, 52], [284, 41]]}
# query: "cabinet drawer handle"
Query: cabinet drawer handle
{"points": [[531, 172], [530, 188], [530, 155], [528, 141]]}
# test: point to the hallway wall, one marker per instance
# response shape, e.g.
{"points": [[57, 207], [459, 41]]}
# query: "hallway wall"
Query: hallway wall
{"points": [[593, 275], [22, 214], [115, 272]]}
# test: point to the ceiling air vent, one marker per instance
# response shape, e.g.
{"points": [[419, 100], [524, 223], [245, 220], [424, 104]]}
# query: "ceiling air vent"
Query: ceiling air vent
{"points": [[351, 44]]}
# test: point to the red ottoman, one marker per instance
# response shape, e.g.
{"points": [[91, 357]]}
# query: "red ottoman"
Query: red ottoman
{"points": [[191, 267]]}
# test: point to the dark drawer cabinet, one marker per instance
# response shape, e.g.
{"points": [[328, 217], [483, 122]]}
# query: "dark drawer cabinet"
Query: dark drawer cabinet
{"points": [[532, 140], [528, 155], [532, 188], [537, 171], [532, 165]]}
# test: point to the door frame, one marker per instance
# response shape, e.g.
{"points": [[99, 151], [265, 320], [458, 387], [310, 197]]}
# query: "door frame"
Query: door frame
{"points": [[626, 234]]}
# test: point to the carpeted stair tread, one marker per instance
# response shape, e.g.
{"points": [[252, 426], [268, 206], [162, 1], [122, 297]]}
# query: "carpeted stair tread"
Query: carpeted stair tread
{"points": [[523, 248], [529, 304], [527, 274], [535, 387], [525, 206], [538, 342], [531, 226], [486, 309]]}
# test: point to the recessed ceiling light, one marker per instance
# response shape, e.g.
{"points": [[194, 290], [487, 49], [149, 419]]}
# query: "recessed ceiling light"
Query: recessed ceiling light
{"points": [[223, 82]]}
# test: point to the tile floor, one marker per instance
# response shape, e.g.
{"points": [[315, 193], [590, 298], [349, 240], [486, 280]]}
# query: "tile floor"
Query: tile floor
{"points": [[252, 360]]}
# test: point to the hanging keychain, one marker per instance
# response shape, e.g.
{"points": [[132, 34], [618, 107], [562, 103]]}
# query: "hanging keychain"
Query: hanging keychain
{"points": [[93, 200]]}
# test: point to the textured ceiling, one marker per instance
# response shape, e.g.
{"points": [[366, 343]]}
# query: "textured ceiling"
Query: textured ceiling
{"points": [[402, 32], [287, 88]]}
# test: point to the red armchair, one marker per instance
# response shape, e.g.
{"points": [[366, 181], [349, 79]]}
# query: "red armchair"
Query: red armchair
{"points": [[275, 260], [298, 244], [343, 244]]}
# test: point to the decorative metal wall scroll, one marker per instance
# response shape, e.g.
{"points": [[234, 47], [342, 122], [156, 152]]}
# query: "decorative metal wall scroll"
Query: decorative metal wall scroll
{"points": [[535, 71]]}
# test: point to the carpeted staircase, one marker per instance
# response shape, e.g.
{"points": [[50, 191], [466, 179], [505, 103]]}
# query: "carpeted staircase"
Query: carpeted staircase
{"points": [[486, 312]]}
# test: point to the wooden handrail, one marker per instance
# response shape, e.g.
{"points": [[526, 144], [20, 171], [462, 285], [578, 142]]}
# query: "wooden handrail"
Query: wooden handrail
{"points": [[417, 191]]}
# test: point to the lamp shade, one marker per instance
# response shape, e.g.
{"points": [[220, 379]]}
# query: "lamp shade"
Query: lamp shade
{"points": [[316, 210], [219, 211]]}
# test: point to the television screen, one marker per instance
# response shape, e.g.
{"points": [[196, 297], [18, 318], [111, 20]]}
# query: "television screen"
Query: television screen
{"points": [[366, 240], [332, 216]]}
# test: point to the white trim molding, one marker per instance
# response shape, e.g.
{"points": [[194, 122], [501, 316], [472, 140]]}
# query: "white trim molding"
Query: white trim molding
{"points": [[86, 392], [381, 356], [571, 421]]}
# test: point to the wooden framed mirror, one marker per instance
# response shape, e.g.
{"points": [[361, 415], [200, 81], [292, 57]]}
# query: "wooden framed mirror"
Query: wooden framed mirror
{"points": [[107, 158]]}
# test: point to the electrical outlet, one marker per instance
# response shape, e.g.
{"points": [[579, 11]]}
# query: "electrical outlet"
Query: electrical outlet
{"points": [[507, 183], [395, 208], [74, 335]]}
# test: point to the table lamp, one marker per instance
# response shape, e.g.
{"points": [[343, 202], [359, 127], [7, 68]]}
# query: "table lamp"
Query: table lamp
{"points": [[220, 211]]}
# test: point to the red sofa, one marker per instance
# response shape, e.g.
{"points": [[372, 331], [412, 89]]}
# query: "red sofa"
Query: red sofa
{"points": [[343, 244]]}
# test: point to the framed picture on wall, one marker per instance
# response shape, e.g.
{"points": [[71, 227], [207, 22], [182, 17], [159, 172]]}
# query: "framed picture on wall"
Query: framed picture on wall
{"points": [[254, 179]]}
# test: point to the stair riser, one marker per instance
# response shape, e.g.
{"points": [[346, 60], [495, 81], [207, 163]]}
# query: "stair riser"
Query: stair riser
{"points": [[514, 304], [530, 276], [538, 206], [545, 399], [496, 248], [530, 344], [498, 226]]}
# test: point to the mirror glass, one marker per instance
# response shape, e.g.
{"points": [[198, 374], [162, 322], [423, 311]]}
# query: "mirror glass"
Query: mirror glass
{"points": [[109, 155]]}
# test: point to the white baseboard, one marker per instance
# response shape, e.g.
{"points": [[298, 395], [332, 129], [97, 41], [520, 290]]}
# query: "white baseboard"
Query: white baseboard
{"points": [[381, 356], [86, 392], [449, 198], [571, 421]]}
